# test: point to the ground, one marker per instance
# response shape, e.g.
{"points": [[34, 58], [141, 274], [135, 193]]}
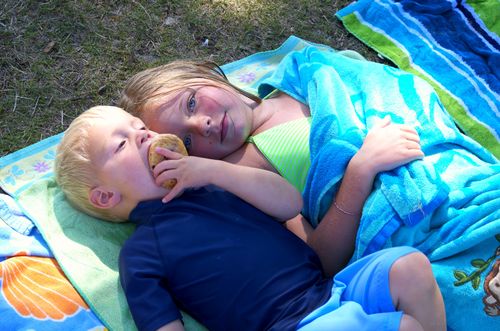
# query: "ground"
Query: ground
{"points": [[58, 58]]}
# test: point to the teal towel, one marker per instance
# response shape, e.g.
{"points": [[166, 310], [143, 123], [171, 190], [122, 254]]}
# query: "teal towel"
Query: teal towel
{"points": [[447, 204], [454, 45]]}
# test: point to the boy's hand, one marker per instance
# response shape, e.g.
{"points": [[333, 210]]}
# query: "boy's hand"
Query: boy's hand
{"points": [[189, 171], [388, 146]]}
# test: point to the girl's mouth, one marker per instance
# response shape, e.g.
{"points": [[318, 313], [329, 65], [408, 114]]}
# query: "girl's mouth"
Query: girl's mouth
{"points": [[223, 127]]}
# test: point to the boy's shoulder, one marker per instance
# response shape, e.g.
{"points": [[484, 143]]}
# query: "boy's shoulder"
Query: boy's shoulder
{"points": [[194, 209], [142, 241], [192, 201]]}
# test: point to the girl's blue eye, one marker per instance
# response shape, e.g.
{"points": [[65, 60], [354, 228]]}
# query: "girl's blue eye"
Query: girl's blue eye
{"points": [[187, 142], [191, 103]]}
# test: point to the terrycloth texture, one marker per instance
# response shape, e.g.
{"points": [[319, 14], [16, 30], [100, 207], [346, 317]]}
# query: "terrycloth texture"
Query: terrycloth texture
{"points": [[28, 270], [447, 205], [75, 240], [87, 249], [79, 243], [13, 216], [454, 45]]}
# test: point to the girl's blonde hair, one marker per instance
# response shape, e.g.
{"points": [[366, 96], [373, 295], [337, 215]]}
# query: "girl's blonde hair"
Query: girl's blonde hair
{"points": [[74, 169], [147, 86]]}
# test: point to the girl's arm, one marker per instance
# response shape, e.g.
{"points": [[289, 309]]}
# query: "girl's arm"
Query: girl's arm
{"points": [[386, 147], [261, 188]]}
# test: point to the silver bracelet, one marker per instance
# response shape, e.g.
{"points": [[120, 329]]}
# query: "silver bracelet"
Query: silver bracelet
{"points": [[342, 210]]}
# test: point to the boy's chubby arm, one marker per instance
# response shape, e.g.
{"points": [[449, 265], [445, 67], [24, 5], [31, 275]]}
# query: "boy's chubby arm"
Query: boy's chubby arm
{"points": [[172, 326], [143, 278], [263, 189], [386, 146]]}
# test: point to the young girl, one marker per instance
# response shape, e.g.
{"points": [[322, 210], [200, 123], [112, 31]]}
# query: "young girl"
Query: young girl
{"points": [[217, 120], [368, 184]]}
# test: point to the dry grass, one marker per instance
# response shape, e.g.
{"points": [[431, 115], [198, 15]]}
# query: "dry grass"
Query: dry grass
{"points": [[58, 58]]}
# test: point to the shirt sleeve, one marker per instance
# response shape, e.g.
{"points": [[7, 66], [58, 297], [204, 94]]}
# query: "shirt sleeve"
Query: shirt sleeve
{"points": [[143, 280]]}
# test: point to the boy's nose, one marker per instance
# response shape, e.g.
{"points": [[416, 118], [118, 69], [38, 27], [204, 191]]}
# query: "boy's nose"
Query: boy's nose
{"points": [[142, 136]]}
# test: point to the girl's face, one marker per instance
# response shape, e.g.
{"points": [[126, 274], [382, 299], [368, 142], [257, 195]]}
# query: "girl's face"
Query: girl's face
{"points": [[212, 121]]}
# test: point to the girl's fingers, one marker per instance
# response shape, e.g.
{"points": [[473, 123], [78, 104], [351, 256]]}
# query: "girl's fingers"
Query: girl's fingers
{"points": [[413, 137], [408, 156], [409, 144], [411, 134], [415, 153], [408, 128]]}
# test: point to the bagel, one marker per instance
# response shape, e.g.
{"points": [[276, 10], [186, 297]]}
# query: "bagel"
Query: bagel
{"points": [[171, 142]]}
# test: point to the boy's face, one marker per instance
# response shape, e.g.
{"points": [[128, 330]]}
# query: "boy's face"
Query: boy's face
{"points": [[119, 150], [212, 121]]}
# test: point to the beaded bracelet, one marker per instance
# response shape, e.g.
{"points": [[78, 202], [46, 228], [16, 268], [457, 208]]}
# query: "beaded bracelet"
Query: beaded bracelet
{"points": [[342, 210]]}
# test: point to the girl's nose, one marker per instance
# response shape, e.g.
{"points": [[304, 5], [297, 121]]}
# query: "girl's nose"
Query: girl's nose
{"points": [[204, 125]]}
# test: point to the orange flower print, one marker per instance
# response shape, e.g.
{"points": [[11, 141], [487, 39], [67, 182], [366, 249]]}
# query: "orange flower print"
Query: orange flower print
{"points": [[36, 287]]}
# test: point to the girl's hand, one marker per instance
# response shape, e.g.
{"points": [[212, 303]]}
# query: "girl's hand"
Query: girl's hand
{"points": [[388, 146], [188, 171]]}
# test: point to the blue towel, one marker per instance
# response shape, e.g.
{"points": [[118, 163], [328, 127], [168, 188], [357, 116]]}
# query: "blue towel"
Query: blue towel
{"points": [[454, 45], [447, 204]]}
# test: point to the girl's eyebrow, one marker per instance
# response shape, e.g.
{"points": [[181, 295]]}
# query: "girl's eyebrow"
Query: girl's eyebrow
{"points": [[176, 100], [181, 100], [171, 102]]}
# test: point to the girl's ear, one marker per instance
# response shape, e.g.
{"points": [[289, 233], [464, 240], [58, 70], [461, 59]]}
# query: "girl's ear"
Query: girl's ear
{"points": [[104, 197]]}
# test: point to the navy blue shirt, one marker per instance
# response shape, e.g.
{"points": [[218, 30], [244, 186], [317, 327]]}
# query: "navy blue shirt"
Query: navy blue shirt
{"points": [[224, 262]]}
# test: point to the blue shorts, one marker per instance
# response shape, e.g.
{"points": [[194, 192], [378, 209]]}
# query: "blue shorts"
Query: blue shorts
{"points": [[361, 298]]}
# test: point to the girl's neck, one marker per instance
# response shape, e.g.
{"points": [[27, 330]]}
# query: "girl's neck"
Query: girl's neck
{"points": [[262, 114], [277, 110]]}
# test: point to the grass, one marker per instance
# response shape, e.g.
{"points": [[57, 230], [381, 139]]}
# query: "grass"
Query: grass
{"points": [[58, 58]]}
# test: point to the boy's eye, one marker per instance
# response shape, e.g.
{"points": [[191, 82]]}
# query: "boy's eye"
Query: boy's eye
{"points": [[120, 146], [187, 142], [191, 103]]}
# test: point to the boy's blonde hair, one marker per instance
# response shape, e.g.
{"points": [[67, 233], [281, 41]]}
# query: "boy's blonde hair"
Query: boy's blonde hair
{"points": [[74, 169], [147, 86]]}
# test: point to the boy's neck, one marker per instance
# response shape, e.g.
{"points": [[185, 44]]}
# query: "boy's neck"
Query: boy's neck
{"points": [[123, 209]]}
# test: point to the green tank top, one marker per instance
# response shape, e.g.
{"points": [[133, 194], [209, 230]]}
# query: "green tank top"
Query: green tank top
{"points": [[286, 147]]}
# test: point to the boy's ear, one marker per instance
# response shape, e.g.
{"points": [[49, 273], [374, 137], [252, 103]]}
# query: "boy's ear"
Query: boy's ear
{"points": [[104, 197]]}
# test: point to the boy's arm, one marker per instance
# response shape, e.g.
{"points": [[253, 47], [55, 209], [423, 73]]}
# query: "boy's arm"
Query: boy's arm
{"points": [[142, 276], [263, 189], [385, 147], [172, 326]]}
